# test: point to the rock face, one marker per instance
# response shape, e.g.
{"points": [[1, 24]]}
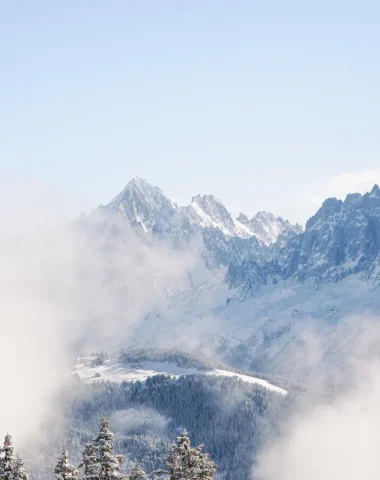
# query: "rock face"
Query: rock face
{"points": [[268, 228], [225, 241], [342, 238], [144, 205]]}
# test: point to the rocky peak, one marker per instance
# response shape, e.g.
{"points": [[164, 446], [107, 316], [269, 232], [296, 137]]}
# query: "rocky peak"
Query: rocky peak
{"points": [[329, 209], [269, 228], [142, 203], [242, 218], [213, 213], [375, 192], [264, 217], [341, 239]]}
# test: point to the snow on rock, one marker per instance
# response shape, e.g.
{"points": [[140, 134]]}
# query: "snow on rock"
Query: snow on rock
{"points": [[145, 205], [341, 239]]}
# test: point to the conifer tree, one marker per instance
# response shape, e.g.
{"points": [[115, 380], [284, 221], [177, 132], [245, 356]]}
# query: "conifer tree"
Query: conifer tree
{"points": [[63, 469], [137, 473], [19, 471], [11, 466], [90, 463], [8, 460], [186, 462], [108, 461], [207, 467]]}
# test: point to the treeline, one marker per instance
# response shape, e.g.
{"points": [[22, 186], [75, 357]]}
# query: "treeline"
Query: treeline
{"points": [[138, 356], [100, 462]]}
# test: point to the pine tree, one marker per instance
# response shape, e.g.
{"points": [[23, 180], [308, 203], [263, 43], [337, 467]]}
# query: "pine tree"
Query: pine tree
{"points": [[63, 469], [137, 473], [108, 461], [19, 471], [207, 467], [11, 466], [8, 460], [90, 463], [186, 462]]}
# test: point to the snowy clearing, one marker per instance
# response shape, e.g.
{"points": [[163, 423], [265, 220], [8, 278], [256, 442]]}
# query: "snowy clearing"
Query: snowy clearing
{"points": [[120, 372]]}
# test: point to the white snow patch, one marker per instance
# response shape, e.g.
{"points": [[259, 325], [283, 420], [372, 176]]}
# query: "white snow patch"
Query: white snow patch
{"points": [[248, 379], [115, 371]]}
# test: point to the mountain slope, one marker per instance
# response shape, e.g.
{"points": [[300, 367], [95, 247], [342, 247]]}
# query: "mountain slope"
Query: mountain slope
{"points": [[341, 239], [286, 307], [313, 305]]}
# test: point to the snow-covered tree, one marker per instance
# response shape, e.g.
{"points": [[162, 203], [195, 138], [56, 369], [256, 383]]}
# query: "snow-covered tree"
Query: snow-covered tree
{"points": [[137, 473], [90, 463], [108, 461], [63, 469], [206, 467], [19, 470], [11, 466], [8, 459], [186, 462]]}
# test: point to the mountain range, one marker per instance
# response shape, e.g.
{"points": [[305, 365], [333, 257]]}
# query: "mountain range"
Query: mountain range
{"points": [[283, 288], [226, 240]]}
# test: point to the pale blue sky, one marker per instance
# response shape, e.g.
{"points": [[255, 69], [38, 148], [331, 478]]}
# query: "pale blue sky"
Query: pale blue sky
{"points": [[265, 104]]}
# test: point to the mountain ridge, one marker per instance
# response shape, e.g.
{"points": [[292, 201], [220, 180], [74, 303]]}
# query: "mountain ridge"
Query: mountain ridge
{"points": [[144, 203]]}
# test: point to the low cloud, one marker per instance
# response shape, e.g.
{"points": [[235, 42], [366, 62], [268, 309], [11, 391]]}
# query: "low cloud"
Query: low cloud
{"points": [[64, 289], [332, 441], [335, 435], [351, 182], [139, 420]]}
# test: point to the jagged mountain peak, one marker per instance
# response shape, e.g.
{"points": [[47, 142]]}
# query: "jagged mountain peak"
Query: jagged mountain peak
{"points": [[139, 181], [212, 213], [243, 218], [206, 199], [225, 240], [329, 208], [341, 239], [144, 204], [269, 228], [375, 190], [263, 215], [140, 184]]}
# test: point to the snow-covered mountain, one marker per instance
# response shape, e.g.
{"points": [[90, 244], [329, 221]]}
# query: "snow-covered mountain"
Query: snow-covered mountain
{"points": [[341, 239], [284, 288], [266, 227], [226, 241], [144, 205], [312, 305], [284, 329]]}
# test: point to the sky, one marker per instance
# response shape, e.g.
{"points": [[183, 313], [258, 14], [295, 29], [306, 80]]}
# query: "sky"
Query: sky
{"points": [[268, 105]]}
